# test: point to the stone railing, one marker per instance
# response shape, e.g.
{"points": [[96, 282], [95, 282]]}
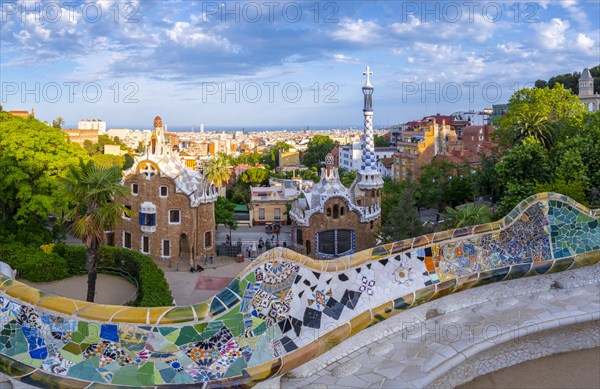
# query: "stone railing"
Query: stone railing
{"points": [[285, 308]]}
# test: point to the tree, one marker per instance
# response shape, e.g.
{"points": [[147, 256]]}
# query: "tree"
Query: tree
{"points": [[95, 192], [532, 124], [32, 157], [217, 171], [347, 177], [486, 181], [223, 210], [255, 176], [468, 215], [381, 141], [274, 153], [58, 122], [403, 221], [318, 147], [109, 160], [520, 170], [551, 104]]}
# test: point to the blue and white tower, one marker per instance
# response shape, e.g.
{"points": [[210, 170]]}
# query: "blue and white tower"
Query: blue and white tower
{"points": [[370, 177]]}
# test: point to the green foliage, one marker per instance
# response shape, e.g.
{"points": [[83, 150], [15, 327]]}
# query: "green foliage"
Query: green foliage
{"points": [[32, 157], [240, 194], [528, 162], [318, 147], [571, 81], [109, 160], [96, 193], [153, 288], [217, 171], [255, 176], [486, 181], [574, 189], [380, 141], [309, 174], [347, 177], [223, 210], [98, 148], [467, 215], [402, 221], [541, 104], [58, 122], [32, 263]]}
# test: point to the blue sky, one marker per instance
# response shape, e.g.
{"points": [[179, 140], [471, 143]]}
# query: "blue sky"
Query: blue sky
{"points": [[263, 63]]}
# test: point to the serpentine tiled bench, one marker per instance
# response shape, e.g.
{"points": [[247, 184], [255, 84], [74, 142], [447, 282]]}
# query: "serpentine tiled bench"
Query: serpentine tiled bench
{"points": [[284, 309]]}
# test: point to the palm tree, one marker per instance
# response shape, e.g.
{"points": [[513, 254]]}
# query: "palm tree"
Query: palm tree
{"points": [[532, 124], [217, 171], [58, 122], [468, 215], [94, 191]]}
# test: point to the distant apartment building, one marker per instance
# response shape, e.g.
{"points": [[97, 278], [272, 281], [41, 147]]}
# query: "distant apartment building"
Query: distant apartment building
{"points": [[80, 136], [114, 150], [421, 142], [94, 124], [478, 139], [289, 161], [268, 205], [498, 110], [350, 156], [23, 114]]}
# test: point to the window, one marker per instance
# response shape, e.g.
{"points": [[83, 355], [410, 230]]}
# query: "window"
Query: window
{"points": [[134, 188], [299, 236], [174, 216], [261, 214], [127, 240], [207, 239], [127, 217], [110, 238], [481, 138], [277, 213], [166, 248], [328, 212], [145, 244], [334, 243], [342, 211], [336, 211], [164, 191], [147, 219]]}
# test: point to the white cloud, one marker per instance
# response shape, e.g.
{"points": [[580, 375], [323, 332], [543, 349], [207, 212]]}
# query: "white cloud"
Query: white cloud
{"points": [[186, 35], [551, 35], [358, 31], [585, 43], [345, 58]]}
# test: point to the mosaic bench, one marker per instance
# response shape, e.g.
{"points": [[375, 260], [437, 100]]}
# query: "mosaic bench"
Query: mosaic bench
{"points": [[282, 310]]}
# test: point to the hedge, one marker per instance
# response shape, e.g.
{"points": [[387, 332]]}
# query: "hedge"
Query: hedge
{"points": [[64, 261], [153, 289], [33, 264]]}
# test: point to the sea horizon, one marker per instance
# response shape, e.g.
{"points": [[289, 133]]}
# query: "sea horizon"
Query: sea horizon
{"points": [[196, 128]]}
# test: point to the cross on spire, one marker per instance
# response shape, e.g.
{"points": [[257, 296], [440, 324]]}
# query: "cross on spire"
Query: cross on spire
{"points": [[368, 73], [149, 171]]}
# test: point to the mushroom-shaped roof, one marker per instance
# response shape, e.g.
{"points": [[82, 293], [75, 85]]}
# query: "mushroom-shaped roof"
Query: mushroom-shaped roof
{"points": [[158, 122]]}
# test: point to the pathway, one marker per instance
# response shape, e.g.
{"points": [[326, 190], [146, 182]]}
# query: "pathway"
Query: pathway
{"points": [[109, 289]]}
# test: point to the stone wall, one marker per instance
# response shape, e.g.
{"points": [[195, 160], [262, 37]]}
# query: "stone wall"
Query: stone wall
{"points": [[284, 309]]}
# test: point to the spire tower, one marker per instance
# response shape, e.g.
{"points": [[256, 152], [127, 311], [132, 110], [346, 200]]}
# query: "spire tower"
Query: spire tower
{"points": [[370, 178]]}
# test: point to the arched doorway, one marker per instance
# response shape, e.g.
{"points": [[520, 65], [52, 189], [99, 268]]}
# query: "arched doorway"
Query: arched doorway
{"points": [[185, 253]]}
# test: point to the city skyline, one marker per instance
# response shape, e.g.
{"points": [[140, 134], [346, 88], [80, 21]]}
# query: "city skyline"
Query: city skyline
{"points": [[256, 64]]}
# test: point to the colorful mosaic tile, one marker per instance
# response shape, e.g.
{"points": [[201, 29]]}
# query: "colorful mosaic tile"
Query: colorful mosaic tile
{"points": [[267, 320]]}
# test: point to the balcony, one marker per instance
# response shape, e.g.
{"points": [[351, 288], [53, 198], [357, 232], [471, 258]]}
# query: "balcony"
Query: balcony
{"points": [[148, 229]]}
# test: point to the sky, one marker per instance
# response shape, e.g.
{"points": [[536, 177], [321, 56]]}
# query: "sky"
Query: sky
{"points": [[282, 63]]}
